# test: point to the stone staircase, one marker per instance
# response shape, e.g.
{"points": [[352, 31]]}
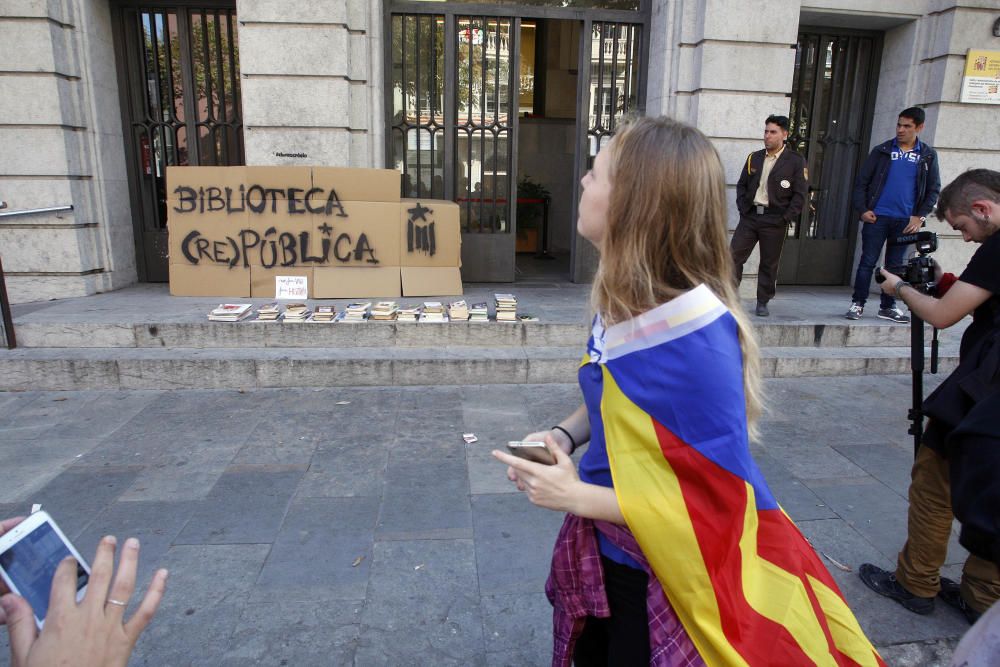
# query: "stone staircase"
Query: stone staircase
{"points": [[127, 349]]}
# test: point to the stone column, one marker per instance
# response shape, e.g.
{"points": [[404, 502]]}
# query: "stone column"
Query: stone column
{"points": [[965, 135], [61, 144], [724, 67], [311, 82]]}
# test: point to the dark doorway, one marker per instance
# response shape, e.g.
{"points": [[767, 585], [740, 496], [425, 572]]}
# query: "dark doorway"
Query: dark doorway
{"points": [[833, 99], [179, 78]]}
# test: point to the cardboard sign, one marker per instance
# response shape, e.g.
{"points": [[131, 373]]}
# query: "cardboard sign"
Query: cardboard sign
{"points": [[256, 225], [291, 287]]}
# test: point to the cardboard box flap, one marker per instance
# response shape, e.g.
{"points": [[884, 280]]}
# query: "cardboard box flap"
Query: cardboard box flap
{"points": [[431, 281], [378, 185], [357, 282], [215, 280]]}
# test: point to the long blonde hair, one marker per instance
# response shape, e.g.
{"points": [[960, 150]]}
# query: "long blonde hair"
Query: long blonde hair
{"points": [[666, 232]]}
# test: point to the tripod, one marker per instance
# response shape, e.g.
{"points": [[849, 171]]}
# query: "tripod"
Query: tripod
{"points": [[916, 415]]}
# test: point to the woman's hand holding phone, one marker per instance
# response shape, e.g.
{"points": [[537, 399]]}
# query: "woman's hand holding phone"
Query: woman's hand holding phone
{"points": [[6, 525], [551, 486], [93, 631]]}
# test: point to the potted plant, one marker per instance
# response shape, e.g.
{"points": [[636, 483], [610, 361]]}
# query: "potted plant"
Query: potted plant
{"points": [[529, 213]]}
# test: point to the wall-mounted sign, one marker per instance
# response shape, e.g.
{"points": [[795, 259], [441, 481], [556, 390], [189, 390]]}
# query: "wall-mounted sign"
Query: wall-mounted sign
{"points": [[981, 81], [337, 233]]}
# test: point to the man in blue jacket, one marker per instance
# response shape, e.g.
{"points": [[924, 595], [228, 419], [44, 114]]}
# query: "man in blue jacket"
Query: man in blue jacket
{"points": [[894, 193]]}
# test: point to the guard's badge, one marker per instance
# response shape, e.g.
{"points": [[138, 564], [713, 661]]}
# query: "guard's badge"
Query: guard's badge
{"points": [[785, 184]]}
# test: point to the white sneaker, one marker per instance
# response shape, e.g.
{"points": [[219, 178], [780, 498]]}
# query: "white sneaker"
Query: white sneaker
{"points": [[854, 312]]}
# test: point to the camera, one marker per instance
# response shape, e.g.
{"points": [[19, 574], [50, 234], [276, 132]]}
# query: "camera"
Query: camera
{"points": [[919, 271]]}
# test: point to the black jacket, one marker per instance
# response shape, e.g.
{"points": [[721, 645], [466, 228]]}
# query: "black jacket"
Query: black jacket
{"points": [[790, 168], [871, 180], [965, 429], [974, 462]]}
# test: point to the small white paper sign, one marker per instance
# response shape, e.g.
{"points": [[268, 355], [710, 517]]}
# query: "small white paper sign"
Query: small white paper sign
{"points": [[291, 287]]}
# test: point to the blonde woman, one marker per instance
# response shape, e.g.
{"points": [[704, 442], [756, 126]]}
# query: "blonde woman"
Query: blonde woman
{"points": [[673, 551]]}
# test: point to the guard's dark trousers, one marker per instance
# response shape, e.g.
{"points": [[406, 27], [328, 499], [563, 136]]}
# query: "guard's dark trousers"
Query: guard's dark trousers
{"points": [[768, 230]]}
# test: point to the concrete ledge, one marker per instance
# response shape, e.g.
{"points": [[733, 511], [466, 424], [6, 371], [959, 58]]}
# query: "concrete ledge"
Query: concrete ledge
{"points": [[826, 362], [491, 334], [83, 334], [261, 367], [209, 335], [196, 370], [329, 373], [28, 374]]}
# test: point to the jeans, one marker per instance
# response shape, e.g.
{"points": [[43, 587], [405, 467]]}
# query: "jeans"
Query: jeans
{"points": [[873, 237]]}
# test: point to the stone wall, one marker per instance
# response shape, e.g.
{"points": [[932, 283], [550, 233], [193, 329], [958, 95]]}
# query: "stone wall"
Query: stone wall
{"points": [[312, 82], [312, 77], [61, 138], [965, 135]]}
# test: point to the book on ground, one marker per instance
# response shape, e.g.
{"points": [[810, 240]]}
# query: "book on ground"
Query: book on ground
{"points": [[323, 314], [458, 311], [230, 312], [410, 313], [433, 312], [385, 311], [506, 305], [269, 312], [296, 312], [357, 311], [479, 312]]}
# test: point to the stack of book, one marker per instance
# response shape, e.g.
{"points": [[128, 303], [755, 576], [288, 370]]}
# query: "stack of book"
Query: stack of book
{"points": [[324, 314], [409, 314], [433, 312], [356, 312], [506, 305], [230, 312], [269, 312], [385, 311], [479, 312], [458, 311], [296, 312]]}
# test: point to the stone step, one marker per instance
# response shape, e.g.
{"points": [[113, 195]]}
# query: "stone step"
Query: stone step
{"points": [[262, 367], [241, 335]]}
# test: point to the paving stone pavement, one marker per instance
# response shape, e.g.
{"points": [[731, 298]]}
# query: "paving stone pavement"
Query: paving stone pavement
{"points": [[354, 526]]}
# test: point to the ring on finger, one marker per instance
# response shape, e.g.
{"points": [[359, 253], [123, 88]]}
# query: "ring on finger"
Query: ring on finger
{"points": [[117, 603]]}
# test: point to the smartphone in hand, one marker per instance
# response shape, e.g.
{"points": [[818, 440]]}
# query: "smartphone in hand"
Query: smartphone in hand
{"points": [[531, 451], [30, 552]]}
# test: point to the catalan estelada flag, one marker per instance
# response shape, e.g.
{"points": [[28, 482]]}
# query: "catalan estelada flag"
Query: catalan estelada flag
{"points": [[745, 583]]}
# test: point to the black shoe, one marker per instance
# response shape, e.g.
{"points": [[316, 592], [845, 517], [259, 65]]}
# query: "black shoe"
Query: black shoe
{"points": [[884, 583], [952, 596], [762, 310]]}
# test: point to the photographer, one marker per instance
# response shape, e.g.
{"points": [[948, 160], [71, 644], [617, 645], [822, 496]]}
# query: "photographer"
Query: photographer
{"points": [[971, 205]]}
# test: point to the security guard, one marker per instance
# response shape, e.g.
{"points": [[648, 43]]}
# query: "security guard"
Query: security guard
{"points": [[769, 195]]}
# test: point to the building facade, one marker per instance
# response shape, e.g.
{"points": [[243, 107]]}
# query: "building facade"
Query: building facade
{"points": [[492, 105]]}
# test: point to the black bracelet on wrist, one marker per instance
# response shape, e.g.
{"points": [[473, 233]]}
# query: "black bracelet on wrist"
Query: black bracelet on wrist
{"points": [[572, 442]]}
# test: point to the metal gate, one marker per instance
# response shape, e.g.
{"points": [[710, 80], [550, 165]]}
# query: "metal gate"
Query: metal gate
{"points": [[609, 90], [833, 99], [452, 81], [452, 122], [178, 72]]}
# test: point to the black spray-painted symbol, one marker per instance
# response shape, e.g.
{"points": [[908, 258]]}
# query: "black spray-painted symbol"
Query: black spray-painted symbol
{"points": [[420, 237]]}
